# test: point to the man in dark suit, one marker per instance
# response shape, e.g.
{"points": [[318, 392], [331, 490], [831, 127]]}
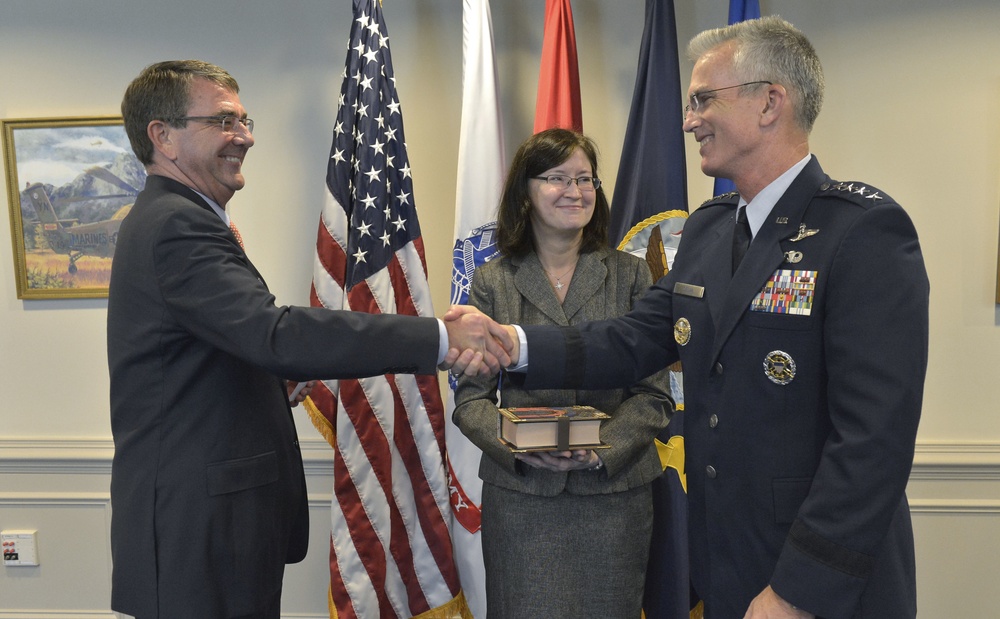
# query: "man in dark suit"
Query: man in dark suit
{"points": [[803, 362], [207, 486]]}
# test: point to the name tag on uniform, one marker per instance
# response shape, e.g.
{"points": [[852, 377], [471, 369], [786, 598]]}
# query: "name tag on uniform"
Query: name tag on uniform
{"points": [[689, 290], [787, 292]]}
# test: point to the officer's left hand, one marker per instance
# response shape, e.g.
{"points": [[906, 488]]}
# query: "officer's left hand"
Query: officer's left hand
{"points": [[769, 605]]}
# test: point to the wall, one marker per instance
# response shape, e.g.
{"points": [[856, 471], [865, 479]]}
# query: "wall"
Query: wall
{"points": [[913, 106]]}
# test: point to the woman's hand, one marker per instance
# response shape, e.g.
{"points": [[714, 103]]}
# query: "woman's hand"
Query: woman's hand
{"points": [[562, 461]]}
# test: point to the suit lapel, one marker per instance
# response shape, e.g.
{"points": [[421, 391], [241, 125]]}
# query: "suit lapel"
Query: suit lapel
{"points": [[162, 183], [765, 254], [531, 281], [589, 276], [718, 261]]}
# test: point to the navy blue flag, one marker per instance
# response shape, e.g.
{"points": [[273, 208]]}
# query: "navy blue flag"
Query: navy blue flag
{"points": [[739, 10], [652, 175], [668, 592], [647, 217]]}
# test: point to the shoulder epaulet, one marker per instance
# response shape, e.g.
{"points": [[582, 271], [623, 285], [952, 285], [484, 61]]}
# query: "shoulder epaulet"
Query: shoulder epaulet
{"points": [[855, 191], [732, 198]]}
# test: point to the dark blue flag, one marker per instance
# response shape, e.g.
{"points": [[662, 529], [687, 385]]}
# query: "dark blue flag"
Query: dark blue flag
{"points": [[652, 175], [647, 216]]}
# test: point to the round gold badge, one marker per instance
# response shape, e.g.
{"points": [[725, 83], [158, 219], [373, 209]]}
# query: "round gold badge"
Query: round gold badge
{"points": [[779, 367], [682, 331]]}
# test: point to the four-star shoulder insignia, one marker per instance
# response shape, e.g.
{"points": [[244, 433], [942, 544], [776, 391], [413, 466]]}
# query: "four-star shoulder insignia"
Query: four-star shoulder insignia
{"points": [[726, 198], [854, 188]]}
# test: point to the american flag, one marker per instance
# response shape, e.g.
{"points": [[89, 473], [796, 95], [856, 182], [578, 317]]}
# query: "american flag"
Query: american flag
{"points": [[390, 550]]}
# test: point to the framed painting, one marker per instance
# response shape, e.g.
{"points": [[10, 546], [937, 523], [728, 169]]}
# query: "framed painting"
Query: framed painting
{"points": [[70, 182]]}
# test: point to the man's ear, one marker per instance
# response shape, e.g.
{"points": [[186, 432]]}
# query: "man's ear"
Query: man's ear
{"points": [[163, 137], [775, 104]]}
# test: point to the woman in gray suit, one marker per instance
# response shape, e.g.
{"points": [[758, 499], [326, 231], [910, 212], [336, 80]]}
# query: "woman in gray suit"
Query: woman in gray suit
{"points": [[565, 534]]}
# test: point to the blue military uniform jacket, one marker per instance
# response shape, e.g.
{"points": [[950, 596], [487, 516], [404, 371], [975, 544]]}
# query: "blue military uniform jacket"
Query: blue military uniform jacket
{"points": [[803, 382]]}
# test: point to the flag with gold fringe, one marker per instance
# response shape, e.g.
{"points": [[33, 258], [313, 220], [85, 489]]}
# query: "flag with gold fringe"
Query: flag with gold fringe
{"points": [[390, 547], [648, 212]]}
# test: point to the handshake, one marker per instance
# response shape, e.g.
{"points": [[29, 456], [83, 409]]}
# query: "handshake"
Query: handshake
{"points": [[477, 345]]}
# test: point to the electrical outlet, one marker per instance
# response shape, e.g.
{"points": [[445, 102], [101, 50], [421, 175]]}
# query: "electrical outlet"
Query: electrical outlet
{"points": [[19, 547]]}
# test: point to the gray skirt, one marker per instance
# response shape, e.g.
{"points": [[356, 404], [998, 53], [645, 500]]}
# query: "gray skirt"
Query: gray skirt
{"points": [[566, 555]]}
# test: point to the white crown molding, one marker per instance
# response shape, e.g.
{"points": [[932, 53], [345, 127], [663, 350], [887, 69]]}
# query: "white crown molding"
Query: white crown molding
{"points": [[58, 614], [73, 455], [105, 614], [950, 460], [933, 460]]}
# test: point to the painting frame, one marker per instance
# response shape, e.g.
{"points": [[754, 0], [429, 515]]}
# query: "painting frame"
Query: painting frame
{"points": [[70, 182]]}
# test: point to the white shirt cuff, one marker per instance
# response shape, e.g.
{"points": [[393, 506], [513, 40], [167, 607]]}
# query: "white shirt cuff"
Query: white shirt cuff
{"points": [[522, 360], [442, 341]]}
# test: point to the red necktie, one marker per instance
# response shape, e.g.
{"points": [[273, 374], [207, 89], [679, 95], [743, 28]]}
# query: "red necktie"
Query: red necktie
{"points": [[236, 233]]}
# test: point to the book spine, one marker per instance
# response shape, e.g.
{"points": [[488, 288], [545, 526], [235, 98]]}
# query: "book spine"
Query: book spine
{"points": [[562, 433]]}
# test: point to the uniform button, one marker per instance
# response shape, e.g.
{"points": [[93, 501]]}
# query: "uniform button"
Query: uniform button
{"points": [[713, 421], [710, 471], [718, 368]]}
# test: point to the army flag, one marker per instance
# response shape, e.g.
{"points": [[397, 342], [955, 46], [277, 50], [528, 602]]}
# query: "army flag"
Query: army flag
{"points": [[481, 163]]}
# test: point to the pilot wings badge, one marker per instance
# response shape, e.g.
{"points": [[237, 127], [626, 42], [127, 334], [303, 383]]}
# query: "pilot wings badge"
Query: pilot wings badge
{"points": [[803, 234]]}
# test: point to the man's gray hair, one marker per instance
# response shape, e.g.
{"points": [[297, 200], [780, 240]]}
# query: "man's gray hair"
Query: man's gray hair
{"points": [[771, 49]]}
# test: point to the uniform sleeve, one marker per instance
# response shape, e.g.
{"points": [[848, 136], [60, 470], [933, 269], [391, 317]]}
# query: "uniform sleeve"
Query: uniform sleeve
{"points": [[875, 339], [604, 354], [645, 410]]}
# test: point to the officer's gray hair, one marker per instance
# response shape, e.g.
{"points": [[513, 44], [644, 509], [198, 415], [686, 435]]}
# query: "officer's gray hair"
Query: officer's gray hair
{"points": [[771, 49]]}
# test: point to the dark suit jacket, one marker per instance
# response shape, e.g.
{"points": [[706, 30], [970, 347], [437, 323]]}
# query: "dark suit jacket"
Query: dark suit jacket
{"points": [[605, 283], [801, 484], [207, 487]]}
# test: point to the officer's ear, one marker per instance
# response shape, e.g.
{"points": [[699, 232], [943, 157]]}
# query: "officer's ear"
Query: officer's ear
{"points": [[776, 104]]}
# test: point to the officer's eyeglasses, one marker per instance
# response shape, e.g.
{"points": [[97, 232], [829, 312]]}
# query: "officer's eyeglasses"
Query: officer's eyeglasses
{"points": [[698, 100]]}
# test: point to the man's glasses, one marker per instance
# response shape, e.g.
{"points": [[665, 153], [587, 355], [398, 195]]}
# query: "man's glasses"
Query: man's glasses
{"points": [[227, 122], [585, 183], [698, 100]]}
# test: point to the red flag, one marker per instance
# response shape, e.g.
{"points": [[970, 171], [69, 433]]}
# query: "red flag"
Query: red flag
{"points": [[390, 549], [558, 102]]}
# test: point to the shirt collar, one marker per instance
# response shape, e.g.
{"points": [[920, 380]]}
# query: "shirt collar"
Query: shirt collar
{"points": [[221, 212], [760, 207]]}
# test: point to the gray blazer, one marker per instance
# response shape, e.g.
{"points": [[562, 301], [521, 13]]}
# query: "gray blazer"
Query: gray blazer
{"points": [[516, 291]]}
